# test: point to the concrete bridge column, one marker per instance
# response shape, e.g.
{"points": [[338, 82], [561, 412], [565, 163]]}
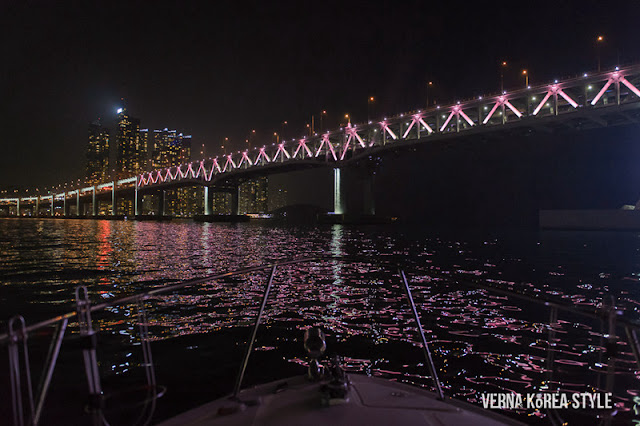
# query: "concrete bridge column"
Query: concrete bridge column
{"points": [[64, 205], [161, 202], [94, 206], [235, 204], [207, 202], [353, 190], [53, 205], [338, 200], [369, 202], [114, 207], [18, 207], [78, 202], [137, 202], [37, 212]]}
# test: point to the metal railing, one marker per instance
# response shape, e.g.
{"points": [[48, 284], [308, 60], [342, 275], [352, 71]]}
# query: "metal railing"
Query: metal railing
{"points": [[88, 342]]}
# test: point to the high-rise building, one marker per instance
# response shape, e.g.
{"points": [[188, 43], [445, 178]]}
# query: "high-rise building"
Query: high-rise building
{"points": [[170, 148], [131, 154], [144, 144], [253, 196], [277, 198], [97, 154]]}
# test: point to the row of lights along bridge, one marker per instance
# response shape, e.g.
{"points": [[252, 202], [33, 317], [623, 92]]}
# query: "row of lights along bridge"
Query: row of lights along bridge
{"points": [[320, 125]]}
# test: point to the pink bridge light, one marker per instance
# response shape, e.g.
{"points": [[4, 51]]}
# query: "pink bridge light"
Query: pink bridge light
{"points": [[426, 126], [502, 101], [302, 144], [245, 159], [229, 164], [557, 91], [281, 150], [616, 77], [446, 122], [201, 169], [325, 140], [631, 87], [352, 134], [262, 155], [386, 128], [216, 166], [466, 117]]}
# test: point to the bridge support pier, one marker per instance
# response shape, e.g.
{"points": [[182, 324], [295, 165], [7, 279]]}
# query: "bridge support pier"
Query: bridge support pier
{"points": [[37, 212], [137, 202], [207, 202], [235, 203], [64, 205], [114, 207], [161, 202], [338, 199], [18, 207], [78, 202], [94, 204], [353, 191]]}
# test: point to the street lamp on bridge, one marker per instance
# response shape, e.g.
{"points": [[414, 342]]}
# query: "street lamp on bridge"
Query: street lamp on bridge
{"points": [[369, 104], [526, 78], [225, 143], [599, 42], [503, 65]]}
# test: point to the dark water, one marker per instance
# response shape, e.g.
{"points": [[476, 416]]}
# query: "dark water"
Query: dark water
{"points": [[482, 341]]}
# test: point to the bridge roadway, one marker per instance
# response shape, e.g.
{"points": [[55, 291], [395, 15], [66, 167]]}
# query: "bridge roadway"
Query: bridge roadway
{"points": [[602, 99]]}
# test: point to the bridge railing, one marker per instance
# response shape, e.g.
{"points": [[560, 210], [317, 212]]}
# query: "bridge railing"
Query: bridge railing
{"points": [[567, 98]]}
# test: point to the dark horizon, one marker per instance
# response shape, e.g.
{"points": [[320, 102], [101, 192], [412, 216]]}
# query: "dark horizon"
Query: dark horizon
{"points": [[221, 70]]}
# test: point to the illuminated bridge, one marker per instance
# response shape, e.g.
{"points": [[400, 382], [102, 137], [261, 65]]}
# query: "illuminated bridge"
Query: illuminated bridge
{"points": [[590, 100]]}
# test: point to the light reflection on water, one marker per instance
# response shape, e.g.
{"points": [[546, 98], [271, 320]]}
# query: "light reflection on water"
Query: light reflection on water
{"points": [[482, 341]]}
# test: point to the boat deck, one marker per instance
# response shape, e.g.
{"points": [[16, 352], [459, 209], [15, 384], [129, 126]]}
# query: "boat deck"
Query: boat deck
{"points": [[371, 401]]}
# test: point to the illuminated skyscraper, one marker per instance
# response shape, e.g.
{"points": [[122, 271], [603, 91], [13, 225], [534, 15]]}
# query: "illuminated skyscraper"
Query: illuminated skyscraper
{"points": [[97, 154], [144, 144], [131, 154], [253, 196], [170, 148]]}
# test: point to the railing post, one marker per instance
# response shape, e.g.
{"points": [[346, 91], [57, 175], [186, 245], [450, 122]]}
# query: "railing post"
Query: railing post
{"points": [[14, 370], [89, 354], [243, 368], [54, 350], [94, 207], [553, 318], [425, 346]]}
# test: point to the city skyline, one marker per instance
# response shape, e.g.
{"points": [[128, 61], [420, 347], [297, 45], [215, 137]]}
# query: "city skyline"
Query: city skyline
{"points": [[216, 82]]}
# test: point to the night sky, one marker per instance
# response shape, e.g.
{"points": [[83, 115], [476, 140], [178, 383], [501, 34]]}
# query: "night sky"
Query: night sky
{"points": [[220, 69]]}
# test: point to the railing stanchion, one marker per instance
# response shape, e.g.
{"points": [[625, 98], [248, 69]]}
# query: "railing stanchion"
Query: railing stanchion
{"points": [[425, 346], [89, 354], [52, 358], [265, 296]]}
